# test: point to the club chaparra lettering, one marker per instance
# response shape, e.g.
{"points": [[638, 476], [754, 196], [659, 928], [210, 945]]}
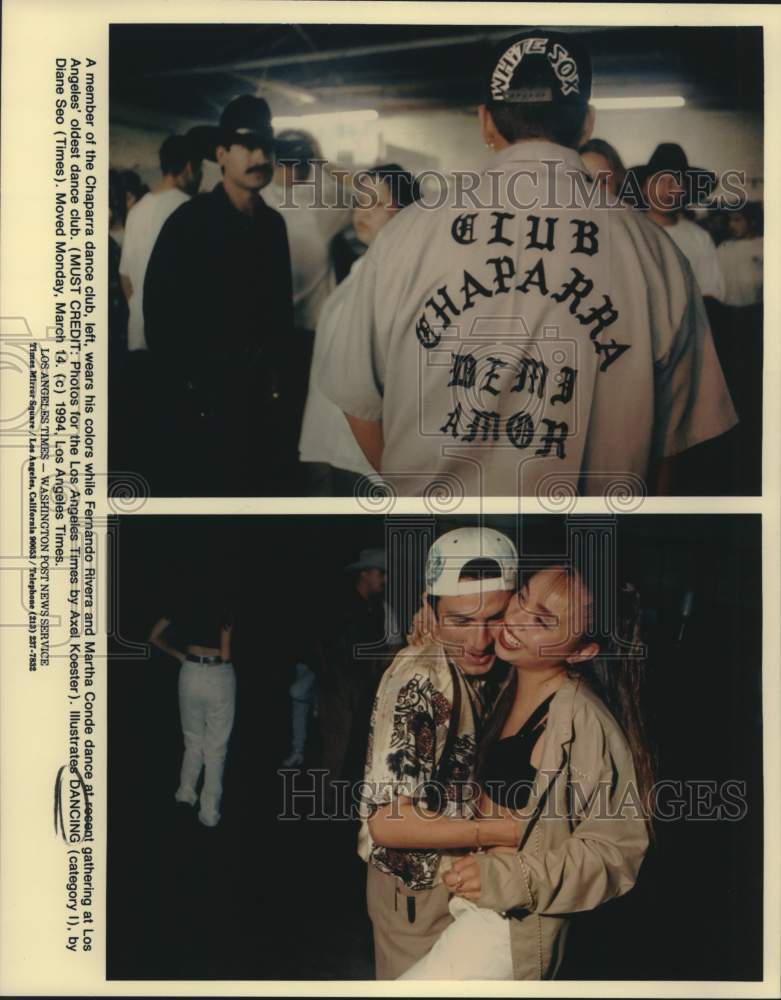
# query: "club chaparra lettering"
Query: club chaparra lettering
{"points": [[445, 305], [451, 302]]}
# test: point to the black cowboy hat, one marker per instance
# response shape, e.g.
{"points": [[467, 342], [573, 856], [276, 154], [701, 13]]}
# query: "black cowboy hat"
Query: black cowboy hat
{"points": [[246, 117], [669, 157]]}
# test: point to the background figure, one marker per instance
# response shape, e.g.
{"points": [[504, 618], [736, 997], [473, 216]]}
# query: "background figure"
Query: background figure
{"points": [[132, 190], [137, 421], [354, 688], [350, 677], [738, 333], [181, 170], [311, 222], [303, 697], [604, 164], [207, 695], [333, 461], [669, 186], [741, 256]]}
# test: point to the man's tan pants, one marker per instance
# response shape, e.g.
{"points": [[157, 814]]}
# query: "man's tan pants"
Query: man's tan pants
{"points": [[406, 922]]}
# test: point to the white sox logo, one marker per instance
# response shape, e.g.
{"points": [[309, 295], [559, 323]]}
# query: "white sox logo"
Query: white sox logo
{"points": [[561, 61]]}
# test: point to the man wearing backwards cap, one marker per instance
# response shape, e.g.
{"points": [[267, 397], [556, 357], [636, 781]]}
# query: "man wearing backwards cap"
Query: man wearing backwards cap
{"points": [[523, 334], [425, 725], [217, 298]]}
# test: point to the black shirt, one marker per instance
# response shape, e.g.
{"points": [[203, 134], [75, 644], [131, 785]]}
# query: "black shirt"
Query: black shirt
{"points": [[199, 622], [508, 775], [218, 292]]}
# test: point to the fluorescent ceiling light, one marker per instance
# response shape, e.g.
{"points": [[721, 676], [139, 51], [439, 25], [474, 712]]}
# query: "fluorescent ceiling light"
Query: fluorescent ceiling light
{"points": [[636, 103], [326, 118]]}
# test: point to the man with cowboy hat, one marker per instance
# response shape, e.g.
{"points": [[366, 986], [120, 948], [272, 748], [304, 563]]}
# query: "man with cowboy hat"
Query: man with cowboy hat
{"points": [[217, 302], [669, 185], [353, 654]]}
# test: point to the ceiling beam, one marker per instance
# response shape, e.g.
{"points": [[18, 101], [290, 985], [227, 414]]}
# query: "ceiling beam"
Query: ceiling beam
{"points": [[332, 54]]}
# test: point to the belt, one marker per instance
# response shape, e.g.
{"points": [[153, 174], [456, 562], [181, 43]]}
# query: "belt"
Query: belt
{"points": [[204, 659]]}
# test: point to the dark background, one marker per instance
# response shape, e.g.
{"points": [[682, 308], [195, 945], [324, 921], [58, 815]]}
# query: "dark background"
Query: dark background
{"points": [[191, 71], [257, 898]]}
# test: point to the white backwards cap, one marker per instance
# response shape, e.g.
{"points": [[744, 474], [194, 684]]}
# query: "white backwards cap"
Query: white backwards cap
{"points": [[449, 554]]}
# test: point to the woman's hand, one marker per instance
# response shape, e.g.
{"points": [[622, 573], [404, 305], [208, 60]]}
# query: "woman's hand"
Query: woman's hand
{"points": [[463, 879]]}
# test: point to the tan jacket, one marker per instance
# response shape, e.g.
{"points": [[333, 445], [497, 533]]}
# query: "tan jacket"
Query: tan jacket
{"points": [[573, 856]]}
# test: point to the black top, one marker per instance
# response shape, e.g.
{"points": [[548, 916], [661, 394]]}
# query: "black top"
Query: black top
{"points": [[199, 622], [507, 772], [218, 292]]}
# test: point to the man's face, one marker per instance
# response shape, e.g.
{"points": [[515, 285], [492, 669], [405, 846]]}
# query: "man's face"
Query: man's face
{"points": [[466, 626], [665, 192], [375, 580], [245, 165], [738, 226]]}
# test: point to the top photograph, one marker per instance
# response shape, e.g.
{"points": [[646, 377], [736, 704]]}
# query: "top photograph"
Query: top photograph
{"points": [[352, 260]]}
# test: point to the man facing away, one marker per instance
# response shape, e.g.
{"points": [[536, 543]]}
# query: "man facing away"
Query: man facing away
{"points": [[423, 741], [180, 166], [524, 335]]}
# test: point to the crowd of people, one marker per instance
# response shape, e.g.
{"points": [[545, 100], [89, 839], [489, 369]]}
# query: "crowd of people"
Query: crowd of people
{"points": [[264, 344]]}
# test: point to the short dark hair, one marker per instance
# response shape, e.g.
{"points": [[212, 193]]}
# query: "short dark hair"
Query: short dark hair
{"points": [[475, 569], [562, 125], [175, 153], [132, 184], [404, 188]]}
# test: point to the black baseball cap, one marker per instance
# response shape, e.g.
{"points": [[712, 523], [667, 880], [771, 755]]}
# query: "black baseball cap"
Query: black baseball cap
{"points": [[247, 119], [295, 144], [539, 67]]}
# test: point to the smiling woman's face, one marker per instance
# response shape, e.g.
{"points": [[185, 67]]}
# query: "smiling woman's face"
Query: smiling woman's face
{"points": [[544, 622]]}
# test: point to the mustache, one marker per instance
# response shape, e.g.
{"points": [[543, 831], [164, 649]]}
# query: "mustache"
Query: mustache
{"points": [[261, 168]]}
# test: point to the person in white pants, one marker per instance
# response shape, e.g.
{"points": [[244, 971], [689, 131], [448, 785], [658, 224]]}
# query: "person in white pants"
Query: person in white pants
{"points": [[207, 702]]}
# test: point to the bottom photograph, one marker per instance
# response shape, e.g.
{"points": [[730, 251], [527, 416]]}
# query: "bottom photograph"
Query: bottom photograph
{"points": [[435, 747]]}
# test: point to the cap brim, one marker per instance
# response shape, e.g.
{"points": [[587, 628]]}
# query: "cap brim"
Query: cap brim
{"points": [[264, 139]]}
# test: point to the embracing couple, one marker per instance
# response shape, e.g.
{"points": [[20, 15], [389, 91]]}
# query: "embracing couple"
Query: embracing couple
{"points": [[508, 773]]}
